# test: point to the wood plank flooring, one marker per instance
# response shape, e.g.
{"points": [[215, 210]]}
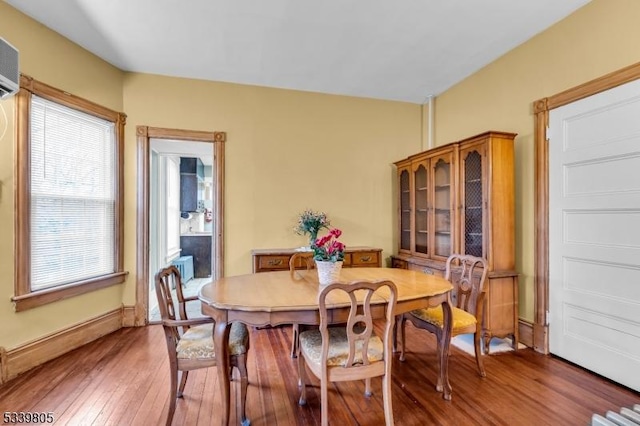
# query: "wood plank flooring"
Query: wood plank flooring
{"points": [[123, 379]]}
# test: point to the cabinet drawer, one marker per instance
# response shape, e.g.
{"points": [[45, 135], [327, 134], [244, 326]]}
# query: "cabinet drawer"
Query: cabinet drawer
{"points": [[365, 258], [427, 270], [274, 263]]}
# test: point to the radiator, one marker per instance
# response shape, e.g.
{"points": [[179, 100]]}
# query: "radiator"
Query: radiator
{"points": [[185, 267], [626, 417]]}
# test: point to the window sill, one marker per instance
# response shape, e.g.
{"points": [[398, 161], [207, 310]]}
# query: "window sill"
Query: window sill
{"points": [[50, 295]]}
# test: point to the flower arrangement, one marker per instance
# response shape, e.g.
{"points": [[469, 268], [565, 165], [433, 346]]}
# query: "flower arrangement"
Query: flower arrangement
{"points": [[311, 222], [328, 248]]}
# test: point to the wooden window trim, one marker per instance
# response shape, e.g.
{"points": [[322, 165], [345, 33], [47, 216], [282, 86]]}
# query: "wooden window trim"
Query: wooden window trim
{"points": [[25, 298]]}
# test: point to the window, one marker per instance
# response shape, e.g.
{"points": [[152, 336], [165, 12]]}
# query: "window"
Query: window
{"points": [[173, 209], [68, 196]]}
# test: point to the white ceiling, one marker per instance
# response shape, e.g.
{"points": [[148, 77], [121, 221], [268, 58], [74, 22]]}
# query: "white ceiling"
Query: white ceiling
{"points": [[401, 50]]}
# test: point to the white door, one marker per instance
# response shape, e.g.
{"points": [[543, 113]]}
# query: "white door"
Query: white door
{"points": [[594, 233]]}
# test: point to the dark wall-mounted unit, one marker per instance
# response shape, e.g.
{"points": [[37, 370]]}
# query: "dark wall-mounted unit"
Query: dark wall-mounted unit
{"points": [[191, 174]]}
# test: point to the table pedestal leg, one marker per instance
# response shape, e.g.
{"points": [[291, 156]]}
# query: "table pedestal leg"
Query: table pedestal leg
{"points": [[220, 343]]}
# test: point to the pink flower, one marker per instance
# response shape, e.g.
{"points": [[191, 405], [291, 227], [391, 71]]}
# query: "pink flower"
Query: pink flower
{"points": [[322, 241], [328, 247]]}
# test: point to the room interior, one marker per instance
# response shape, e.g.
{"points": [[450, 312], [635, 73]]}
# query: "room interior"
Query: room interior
{"points": [[282, 141]]}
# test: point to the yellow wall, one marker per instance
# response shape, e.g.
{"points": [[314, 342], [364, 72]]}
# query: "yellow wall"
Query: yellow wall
{"points": [[54, 60], [597, 39], [289, 150], [286, 151]]}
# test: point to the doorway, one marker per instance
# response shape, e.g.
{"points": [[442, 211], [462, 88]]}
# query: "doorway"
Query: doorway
{"points": [[545, 319], [594, 238], [180, 215], [155, 250]]}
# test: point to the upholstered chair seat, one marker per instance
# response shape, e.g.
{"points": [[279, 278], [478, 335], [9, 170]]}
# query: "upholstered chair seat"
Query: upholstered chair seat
{"points": [[311, 346], [461, 318], [197, 341]]}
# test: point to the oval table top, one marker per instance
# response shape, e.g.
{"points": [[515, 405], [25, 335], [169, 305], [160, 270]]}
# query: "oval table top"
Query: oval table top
{"points": [[280, 291]]}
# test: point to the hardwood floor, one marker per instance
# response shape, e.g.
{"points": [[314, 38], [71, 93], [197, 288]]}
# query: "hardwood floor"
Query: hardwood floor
{"points": [[123, 379]]}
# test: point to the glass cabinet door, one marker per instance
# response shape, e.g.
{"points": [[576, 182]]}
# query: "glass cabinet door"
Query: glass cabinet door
{"points": [[442, 206], [421, 216], [472, 197], [405, 210]]}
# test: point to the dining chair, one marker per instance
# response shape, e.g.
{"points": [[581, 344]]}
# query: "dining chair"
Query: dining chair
{"points": [[468, 279], [306, 259], [190, 341], [351, 352]]}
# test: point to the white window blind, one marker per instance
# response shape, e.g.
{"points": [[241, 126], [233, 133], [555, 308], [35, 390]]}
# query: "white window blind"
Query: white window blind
{"points": [[72, 195]]}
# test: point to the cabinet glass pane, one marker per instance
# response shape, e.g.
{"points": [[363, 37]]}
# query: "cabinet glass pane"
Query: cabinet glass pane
{"points": [[473, 204], [442, 208], [421, 202], [405, 211]]}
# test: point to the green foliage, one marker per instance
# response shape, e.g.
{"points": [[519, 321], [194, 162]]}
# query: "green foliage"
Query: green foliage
{"points": [[310, 223]]}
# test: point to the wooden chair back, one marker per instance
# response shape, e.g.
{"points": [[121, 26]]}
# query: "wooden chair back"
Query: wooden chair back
{"points": [[165, 280], [468, 276], [305, 257], [359, 325]]}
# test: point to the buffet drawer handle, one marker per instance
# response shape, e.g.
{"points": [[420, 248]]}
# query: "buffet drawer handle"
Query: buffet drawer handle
{"points": [[275, 262], [365, 258], [427, 271]]}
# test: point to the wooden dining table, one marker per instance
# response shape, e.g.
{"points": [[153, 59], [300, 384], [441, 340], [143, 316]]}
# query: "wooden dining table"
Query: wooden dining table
{"points": [[274, 298]]}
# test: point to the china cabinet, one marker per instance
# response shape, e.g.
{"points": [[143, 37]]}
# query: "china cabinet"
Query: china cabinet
{"points": [[459, 198]]}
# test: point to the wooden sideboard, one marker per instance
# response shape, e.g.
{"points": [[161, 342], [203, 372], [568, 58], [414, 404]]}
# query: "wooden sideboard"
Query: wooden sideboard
{"points": [[265, 260]]}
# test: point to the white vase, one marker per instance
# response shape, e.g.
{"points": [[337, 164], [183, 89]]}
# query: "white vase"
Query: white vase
{"points": [[328, 272]]}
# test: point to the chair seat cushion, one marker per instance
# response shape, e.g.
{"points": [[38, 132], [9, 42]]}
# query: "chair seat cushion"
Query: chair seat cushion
{"points": [[311, 346], [461, 318], [197, 342]]}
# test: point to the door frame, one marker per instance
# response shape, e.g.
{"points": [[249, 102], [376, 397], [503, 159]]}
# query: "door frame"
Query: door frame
{"points": [[541, 110], [143, 136]]}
